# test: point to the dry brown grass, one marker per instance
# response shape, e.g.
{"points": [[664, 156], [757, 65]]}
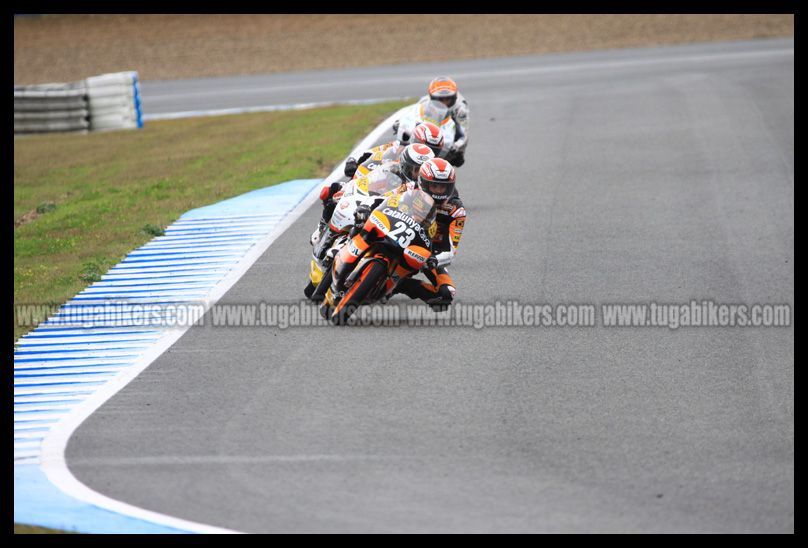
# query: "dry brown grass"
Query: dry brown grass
{"points": [[70, 47]]}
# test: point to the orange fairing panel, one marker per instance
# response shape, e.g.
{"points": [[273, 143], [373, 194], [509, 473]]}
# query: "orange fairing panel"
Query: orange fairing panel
{"points": [[416, 256], [377, 221]]}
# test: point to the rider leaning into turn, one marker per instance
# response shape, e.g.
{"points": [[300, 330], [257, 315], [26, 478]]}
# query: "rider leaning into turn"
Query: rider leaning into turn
{"points": [[406, 167], [444, 89], [425, 133], [437, 178]]}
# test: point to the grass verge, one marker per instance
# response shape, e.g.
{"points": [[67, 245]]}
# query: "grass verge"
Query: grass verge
{"points": [[82, 202], [36, 530]]}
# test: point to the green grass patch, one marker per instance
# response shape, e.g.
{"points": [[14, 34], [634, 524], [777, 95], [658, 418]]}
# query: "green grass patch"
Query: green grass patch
{"points": [[45, 207], [92, 271], [82, 202], [152, 230]]}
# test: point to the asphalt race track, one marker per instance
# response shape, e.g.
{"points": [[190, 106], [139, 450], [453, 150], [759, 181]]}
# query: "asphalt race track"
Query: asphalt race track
{"points": [[628, 176]]}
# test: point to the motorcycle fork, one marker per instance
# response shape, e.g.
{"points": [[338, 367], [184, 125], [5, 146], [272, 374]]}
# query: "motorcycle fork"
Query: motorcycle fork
{"points": [[360, 263]]}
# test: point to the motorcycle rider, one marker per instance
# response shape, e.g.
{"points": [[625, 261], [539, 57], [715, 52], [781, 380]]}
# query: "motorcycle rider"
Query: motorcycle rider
{"points": [[409, 163], [425, 133], [444, 89], [406, 168], [437, 178]]}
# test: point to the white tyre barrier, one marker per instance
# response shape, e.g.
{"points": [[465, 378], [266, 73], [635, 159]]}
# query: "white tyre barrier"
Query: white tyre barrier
{"points": [[113, 121], [51, 114], [114, 101], [51, 126], [51, 107], [105, 102], [40, 105]]}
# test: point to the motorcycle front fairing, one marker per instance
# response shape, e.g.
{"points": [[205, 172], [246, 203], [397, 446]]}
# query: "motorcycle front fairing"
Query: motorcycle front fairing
{"points": [[377, 159], [377, 182], [398, 231], [430, 111], [357, 192]]}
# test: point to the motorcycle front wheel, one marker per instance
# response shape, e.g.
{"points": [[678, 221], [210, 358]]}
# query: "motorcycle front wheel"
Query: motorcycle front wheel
{"points": [[318, 293], [368, 279]]}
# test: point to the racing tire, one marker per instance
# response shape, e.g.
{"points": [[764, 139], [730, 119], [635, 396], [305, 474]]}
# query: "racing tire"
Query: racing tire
{"points": [[368, 279], [318, 293]]}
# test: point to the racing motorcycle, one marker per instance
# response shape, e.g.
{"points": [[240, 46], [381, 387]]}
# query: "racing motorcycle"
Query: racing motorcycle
{"points": [[431, 111], [364, 190], [400, 247], [388, 154]]}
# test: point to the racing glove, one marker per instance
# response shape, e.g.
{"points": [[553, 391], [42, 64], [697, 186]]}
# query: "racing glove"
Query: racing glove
{"points": [[456, 157], [350, 167], [327, 194], [430, 264], [361, 214]]}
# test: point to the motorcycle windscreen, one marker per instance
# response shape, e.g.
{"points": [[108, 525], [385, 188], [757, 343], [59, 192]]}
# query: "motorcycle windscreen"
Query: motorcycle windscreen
{"points": [[392, 154], [382, 180], [415, 203], [434, 111]]}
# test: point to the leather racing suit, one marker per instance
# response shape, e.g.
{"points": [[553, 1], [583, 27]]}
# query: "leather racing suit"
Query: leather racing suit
{"points": [[460, 114], [439, 290]]}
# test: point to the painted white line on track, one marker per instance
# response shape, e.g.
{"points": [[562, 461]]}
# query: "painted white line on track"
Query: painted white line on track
{"points": [[52, 451], [263, 108]]}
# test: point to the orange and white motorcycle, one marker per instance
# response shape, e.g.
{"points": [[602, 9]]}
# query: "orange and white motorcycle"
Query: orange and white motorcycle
{"points": [[394, 243], [429, 111], [362, 190], [425, 133], [389, 152]]}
